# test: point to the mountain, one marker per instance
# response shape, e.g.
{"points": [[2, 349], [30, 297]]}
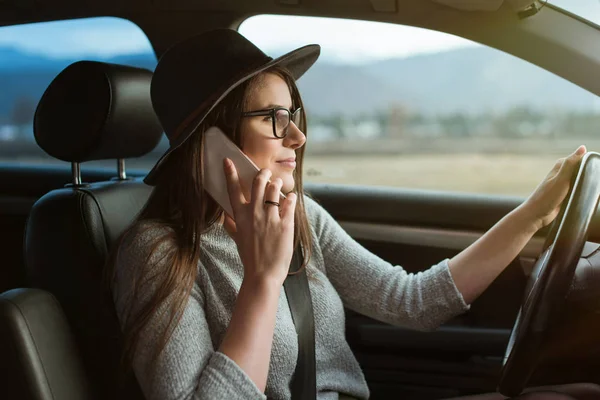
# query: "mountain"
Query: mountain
{"points": [[465, 80], [24, 76], [473, 80]]}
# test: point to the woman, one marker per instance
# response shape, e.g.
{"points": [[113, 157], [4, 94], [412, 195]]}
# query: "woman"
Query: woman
{"points": [[199, 294]]}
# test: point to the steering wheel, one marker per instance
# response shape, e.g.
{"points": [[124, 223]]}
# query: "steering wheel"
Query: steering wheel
{"points": [[551, 277]]}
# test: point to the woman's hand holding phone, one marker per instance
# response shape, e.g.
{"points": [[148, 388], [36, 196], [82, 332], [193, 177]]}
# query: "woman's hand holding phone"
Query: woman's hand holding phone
{"points": [[264, 233]]}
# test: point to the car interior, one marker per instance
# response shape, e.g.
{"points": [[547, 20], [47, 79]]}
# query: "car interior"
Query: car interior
{"points": [[59, 337]]}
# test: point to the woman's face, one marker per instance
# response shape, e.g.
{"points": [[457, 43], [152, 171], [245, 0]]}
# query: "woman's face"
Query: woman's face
{"points": [[258, 141]]}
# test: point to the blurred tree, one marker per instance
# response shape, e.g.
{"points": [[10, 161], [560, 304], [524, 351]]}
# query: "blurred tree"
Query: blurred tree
{"points": [[22, 114], [398, 117], [519, 121], [456, 125], [382, 118], [580, 124], [336, 122]]}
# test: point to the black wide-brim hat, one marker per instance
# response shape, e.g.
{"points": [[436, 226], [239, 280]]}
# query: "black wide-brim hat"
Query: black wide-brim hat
{"points": [[193, 76]]}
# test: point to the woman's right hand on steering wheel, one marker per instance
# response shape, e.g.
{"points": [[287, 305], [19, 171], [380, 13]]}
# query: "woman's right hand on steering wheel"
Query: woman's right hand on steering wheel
{"points": [[263, 233]]}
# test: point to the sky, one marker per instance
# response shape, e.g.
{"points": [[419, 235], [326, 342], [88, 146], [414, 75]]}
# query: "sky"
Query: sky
{"points": [[96, 36], [340, 42]]}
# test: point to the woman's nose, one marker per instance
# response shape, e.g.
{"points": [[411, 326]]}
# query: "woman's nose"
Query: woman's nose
{"points": [[295, 138]]}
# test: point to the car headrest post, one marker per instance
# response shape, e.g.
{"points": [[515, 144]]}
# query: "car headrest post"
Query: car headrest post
{"points": [[121, 169], [76, 172]]}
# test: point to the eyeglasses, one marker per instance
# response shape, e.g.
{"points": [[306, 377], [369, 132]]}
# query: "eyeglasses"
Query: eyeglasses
{"points": [[280, 117]]}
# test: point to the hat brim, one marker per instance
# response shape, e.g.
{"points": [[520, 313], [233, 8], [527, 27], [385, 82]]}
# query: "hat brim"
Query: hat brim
{"points": [[297, 62]]}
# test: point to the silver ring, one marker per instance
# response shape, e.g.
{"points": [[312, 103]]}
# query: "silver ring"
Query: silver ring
{"points": [[271, 203]]}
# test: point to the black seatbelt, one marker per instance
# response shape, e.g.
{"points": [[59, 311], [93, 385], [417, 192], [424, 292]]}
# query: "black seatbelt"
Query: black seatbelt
{"points": [[304, 382]]}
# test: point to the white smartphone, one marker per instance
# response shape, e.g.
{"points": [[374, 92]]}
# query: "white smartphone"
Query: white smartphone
{"points": [[217, 147]]}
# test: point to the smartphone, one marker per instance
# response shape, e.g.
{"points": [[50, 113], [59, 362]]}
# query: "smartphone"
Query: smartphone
{"points": [[217, 147]]}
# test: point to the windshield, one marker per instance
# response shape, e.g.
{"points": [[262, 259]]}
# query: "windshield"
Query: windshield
{"points": [[588, 9]]}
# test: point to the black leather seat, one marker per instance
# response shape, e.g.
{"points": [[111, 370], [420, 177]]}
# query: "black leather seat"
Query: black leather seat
{"points": [[39, 359], [91, 111]]}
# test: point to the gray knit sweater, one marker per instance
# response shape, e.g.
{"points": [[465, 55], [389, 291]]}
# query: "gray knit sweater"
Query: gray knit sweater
{"points": [[340, 273]]}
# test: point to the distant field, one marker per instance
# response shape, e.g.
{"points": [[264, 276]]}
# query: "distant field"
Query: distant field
{"points": [[476, 165], [493, 174]]}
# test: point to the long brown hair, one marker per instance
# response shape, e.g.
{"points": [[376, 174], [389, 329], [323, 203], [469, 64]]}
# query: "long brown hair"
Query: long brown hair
{"points": [[180, 202]]}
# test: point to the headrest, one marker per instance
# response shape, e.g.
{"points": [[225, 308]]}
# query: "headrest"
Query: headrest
{"points": [[97, 111]]}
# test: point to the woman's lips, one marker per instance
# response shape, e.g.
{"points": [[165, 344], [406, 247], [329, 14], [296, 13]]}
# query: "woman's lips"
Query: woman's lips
{"points": [[288, 163]]}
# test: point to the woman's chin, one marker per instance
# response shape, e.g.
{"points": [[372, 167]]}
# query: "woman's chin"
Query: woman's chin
{"points": [[287, 178], [288, 184]]}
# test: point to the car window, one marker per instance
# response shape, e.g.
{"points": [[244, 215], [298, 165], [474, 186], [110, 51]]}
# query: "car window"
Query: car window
{"points": [[31, 55], [407, 107]]}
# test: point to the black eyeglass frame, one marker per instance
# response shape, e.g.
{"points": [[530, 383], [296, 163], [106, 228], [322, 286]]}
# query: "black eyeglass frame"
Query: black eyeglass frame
{"points": [[272, 112]]}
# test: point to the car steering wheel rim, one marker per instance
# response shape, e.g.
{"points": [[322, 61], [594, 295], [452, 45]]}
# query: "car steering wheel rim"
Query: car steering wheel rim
{"points": [[551, 278]]}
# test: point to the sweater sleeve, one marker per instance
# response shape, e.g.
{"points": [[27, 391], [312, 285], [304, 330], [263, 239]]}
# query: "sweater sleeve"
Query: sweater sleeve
{"points": [[373, 287], [189, 367]]}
